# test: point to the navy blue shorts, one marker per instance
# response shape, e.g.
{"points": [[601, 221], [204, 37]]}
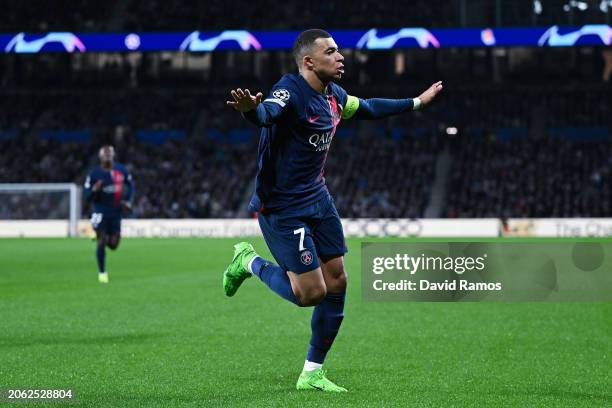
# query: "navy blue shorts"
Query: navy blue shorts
{"points": [[298, 238], [105, 222]]}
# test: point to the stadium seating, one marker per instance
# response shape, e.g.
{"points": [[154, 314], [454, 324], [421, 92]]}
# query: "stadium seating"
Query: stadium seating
{"points": [[190, 156]]}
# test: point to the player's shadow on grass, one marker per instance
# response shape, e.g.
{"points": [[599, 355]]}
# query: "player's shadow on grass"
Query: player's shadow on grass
{"points": [[52, 340]]}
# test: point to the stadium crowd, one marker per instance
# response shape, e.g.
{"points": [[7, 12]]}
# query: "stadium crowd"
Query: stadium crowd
{"points": [[550, 177], [521, 147], [375, 169], [204, 178]]}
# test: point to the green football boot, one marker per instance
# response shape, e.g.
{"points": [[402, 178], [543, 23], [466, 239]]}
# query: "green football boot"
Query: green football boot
{"points": [[316, 380], [238, 271]]}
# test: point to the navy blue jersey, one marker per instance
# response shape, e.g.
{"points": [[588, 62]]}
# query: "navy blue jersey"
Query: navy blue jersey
{"points": [[117, 186], [298, 126]]}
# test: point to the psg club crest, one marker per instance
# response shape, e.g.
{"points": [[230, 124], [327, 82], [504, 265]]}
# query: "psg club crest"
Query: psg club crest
{"points": [[306, 257]]}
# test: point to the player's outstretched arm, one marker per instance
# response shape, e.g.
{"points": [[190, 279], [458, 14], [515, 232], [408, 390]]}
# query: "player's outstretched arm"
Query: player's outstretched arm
{"points": [[378, 108], [262, 113]]}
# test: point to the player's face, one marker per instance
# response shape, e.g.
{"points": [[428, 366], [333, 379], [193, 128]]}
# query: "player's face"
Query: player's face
{"points": [[107, 155], [327, 62]]}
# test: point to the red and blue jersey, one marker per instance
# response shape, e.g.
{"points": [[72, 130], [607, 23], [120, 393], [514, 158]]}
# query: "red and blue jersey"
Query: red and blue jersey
{"points": [[298, 127], [117, 186]]}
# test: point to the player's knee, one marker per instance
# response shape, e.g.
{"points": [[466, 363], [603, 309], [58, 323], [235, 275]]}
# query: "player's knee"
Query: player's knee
{"points": [[340, 282], [337, 282], [335, 275], [313, 296]]}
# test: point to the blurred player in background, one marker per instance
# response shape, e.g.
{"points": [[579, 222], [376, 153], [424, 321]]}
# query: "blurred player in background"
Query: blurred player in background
{"points": [[110, 188], [296, 212]]}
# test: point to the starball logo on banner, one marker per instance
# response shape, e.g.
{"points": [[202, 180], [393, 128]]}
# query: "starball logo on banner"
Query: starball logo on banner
{"points": [[373, 39]]}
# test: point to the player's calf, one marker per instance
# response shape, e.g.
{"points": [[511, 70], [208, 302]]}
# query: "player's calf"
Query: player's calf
{"points": [[100, 251], [327, 316]]}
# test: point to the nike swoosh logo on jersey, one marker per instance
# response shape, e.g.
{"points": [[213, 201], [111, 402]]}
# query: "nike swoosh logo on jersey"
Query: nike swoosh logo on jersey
{"points": [[313, 119]]}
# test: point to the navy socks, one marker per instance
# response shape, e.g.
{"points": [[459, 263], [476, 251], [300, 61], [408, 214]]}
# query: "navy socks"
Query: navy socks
{"points": [[100, 255], [326, 317], [326, 320], [275, 277]]}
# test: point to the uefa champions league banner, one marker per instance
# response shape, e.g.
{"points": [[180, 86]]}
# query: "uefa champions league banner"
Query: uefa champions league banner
{"points": [[355, 227], [201, 228], [370, 39], [576, 270], [361, 227], [557, 227]]}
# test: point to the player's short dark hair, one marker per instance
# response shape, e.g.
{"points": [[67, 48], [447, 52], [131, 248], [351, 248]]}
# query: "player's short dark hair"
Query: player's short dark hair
{"points": [[304, 41]]}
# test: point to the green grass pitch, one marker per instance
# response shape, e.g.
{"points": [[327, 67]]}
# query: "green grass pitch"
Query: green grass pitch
{"points": [[163, 334]]}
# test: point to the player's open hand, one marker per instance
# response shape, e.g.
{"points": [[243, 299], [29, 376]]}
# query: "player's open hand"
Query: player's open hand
{"points": [[97, 186], [243, 100], [430, 93]]}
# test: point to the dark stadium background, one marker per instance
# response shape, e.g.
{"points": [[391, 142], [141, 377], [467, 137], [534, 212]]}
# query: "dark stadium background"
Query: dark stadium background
{"points": [[505, 160]]}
